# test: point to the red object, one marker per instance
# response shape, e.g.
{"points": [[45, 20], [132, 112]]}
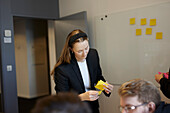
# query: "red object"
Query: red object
{"points": [[165, 75]]}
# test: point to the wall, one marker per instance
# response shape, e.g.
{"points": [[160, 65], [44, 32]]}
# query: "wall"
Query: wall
{"points": [[36, 35], [21, 56], [52, 51], [31, 57], [97, 8], [7, 59], [100, 7], [35, 8]]}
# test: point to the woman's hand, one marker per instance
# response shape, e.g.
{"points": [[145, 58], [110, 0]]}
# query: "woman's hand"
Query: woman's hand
{"points": [[158, 77], [108, 88], [91, 95]]}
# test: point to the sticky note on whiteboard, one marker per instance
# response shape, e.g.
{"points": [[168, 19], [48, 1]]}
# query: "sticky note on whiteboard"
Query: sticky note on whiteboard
{"points": [[138, 32], [132, 21], [152, 22], [148, 31], [143, 21], [159, 35]]}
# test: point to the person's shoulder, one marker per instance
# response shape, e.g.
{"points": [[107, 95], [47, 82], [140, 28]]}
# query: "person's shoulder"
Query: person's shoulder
{"points": [[163, 108], [93, 54], [64, 66], [92, 51], [164, 81]]}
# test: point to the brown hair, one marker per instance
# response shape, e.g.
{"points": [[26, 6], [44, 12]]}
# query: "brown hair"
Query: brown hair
{"points": [[145, 90], [63, 102], [65, 56]]}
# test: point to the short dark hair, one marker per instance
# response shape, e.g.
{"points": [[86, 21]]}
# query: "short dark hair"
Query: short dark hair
{"points": [[62, 102]]}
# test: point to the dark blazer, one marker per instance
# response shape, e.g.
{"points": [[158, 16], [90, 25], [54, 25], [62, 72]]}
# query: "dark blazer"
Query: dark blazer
{"points": [[68, 76], [165, 87], [163, 108]]}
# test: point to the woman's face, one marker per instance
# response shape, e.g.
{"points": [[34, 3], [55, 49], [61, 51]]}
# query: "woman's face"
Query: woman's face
{"points": [[81, 50]]}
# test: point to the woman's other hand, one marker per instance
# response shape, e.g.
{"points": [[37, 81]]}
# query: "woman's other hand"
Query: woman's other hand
{"points": [[91, 95], [108, 88]]}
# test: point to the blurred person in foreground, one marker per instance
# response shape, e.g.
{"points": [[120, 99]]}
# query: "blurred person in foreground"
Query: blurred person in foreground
{"points": [[63, 102]]}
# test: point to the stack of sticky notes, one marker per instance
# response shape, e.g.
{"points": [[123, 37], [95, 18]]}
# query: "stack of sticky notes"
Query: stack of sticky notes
{"points": [[100, 86]]}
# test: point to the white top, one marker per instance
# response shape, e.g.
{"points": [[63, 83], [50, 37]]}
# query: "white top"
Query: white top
{"points": [[85, 74]]}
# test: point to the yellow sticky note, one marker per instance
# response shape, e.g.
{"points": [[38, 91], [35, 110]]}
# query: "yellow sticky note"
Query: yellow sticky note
{"points": [[143, 21], [159, 35], [152, 22], [132, 21], [100, 85], [138, 32], [99, 92], [148, 31]]}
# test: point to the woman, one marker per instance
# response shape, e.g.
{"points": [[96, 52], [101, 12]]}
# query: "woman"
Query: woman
{"points": [[78, 70]]}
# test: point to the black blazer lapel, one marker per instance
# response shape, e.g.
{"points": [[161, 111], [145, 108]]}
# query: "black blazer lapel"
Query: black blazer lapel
{"points": [[78, 73]]}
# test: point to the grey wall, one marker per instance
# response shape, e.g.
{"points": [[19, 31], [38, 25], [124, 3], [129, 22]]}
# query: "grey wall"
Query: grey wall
{"points": [[9, 92], [35, 8]]}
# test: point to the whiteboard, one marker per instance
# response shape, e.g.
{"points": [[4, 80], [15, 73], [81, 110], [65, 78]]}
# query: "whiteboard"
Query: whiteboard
{"points": [[125, 56]]}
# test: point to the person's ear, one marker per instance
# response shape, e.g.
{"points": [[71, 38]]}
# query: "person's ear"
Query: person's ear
{"points": [[152, 107]]}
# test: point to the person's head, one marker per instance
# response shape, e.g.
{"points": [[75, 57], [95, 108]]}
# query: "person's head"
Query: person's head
{"points": [[77, 45], [61, 103], [138, 96]]}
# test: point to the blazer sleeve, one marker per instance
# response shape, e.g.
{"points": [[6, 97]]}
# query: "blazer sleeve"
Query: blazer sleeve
{"points": [[165, 87], [61, 81], [99, 73]]}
